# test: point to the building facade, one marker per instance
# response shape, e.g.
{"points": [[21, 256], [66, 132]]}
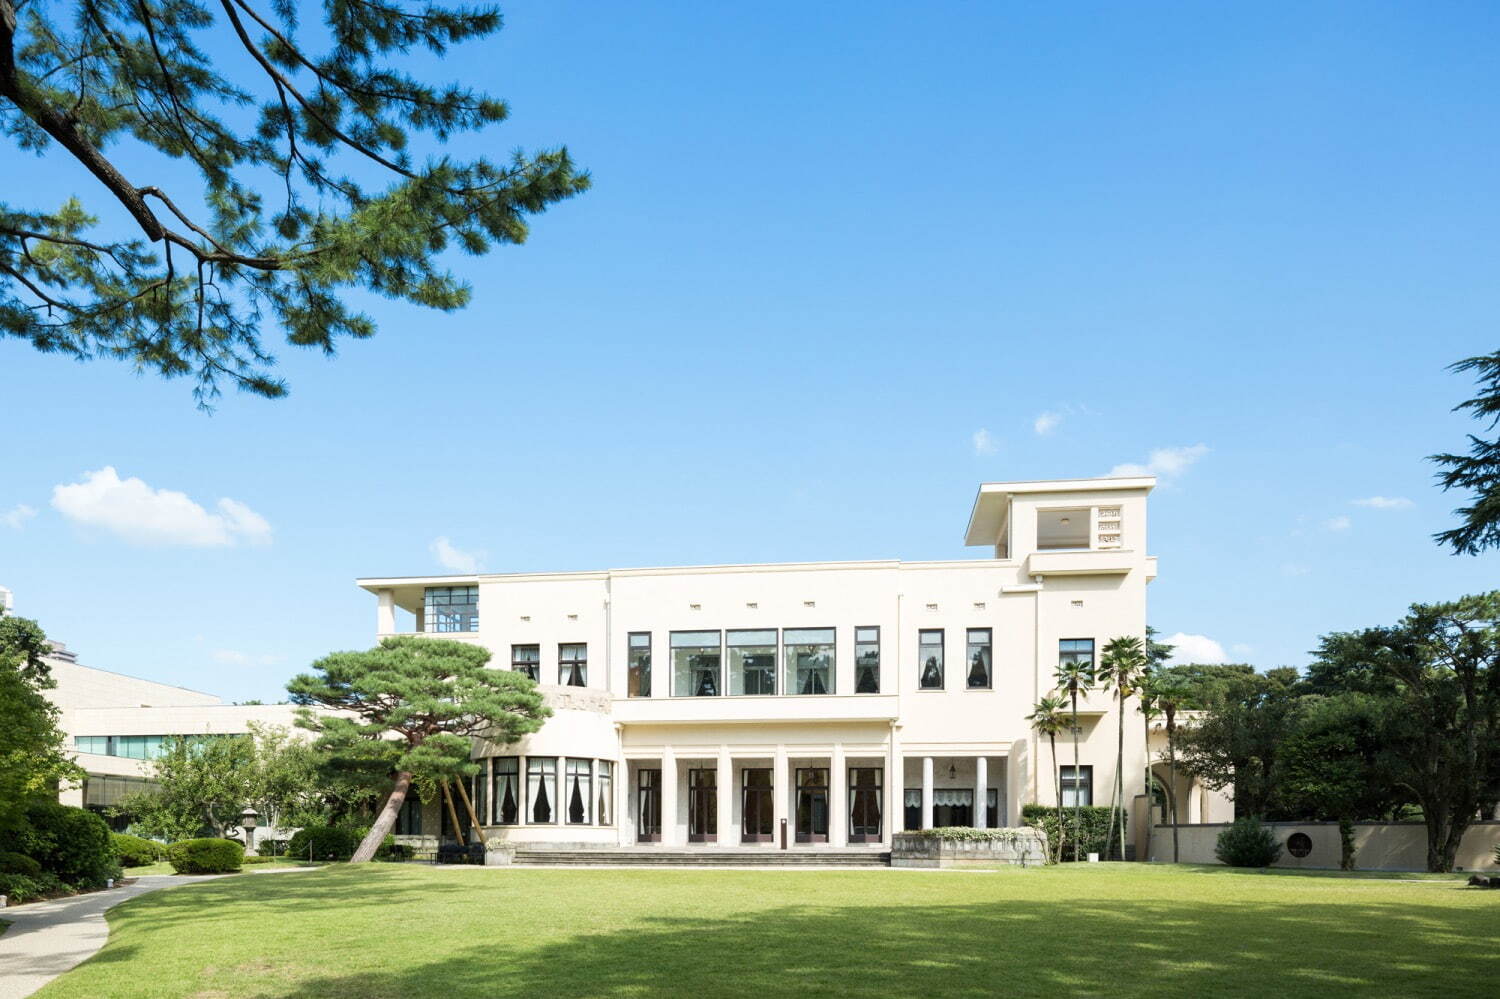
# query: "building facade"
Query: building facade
{"points": [[805, 704]]}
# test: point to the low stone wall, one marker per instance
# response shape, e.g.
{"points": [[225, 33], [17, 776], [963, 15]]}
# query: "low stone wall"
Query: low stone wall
{"points": [[1025, 847], [1379, 846]]}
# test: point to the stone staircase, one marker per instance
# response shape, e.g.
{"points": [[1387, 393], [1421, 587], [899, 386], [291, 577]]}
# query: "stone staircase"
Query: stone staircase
{"points": [[628, 857]]}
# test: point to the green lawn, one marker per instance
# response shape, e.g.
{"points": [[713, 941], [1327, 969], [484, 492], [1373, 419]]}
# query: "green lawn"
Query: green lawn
{"points": [[1107, 930]]}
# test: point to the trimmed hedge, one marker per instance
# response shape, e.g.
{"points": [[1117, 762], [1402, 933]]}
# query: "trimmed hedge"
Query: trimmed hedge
{"points": [[1092, 819], [72, 843], [461, 853], [27, 888], [965, 834], [19, 863], [136, 851], [324, 843], [206, 856], [1247, 843]]}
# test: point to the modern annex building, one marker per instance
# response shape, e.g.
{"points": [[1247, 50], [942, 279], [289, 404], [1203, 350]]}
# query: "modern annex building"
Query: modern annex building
{"points": [[830, 703]]}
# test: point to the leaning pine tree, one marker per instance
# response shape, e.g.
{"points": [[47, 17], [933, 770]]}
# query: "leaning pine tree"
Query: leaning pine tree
{"points": [[427, 698]]}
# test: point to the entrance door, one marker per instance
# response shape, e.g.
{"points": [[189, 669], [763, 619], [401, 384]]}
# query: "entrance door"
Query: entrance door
{"points": [[865, 790], [757, 806], [703, 806], [812, 805], [648, 806]]}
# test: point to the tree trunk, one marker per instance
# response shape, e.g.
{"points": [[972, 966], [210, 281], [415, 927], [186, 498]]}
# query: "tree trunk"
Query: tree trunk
{"points": [[1077, 809], [459, 833], [1057, 779], [469, 808], [384, 822], [1346, 843], [1172, 770], [1120, 774]]}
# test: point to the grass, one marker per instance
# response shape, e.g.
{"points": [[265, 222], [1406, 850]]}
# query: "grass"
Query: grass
{"points": [[1113, 930], [162, 867]]}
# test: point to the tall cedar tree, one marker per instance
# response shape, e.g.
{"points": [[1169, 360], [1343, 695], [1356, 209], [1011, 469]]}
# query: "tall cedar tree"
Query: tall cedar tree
{"points": [[427, 697], [1479, 470], [309, 183], [33, 757]]}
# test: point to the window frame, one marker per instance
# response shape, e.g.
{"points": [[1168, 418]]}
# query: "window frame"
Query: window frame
{"points": [[858, 667], [569, 774], [989, 670], [672, 647], [531, 667], [636, 672], [790, 666], [573, 672], [728, 666], [537, 766], [518, 788], [1086, 770], [942, 663], [435, 622]]}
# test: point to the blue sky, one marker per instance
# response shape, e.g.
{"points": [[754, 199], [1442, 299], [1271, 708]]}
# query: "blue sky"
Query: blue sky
{"points": [[838, 262]]}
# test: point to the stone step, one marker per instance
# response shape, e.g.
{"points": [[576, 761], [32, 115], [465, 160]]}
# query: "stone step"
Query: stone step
{"points": [[703, 858]]}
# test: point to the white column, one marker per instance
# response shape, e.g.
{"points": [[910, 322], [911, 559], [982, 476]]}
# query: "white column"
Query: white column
{"points": [[728, 835], [781, 797], [895, 789], [981, 791], [838, 798], [385, 613], [669, 836], [926, 792]]}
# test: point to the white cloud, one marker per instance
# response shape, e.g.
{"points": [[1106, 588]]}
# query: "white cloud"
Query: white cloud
{"points": [[1046, 422], [456, 559], [134, 511], [984, 442], [1338, 523], [1241, 649], [1164, 462], [1195, 649], [1385, 502], [17, 515], [230, 657]]}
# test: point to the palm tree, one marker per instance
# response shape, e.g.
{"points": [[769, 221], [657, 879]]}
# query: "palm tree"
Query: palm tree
{"points": [[1074, 676], [1120, 668], [1146, 691], [1047, 719], [1170, 693]]}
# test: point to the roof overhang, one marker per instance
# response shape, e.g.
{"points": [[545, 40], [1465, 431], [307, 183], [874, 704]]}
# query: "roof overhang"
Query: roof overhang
{"points": [[992, 504]]}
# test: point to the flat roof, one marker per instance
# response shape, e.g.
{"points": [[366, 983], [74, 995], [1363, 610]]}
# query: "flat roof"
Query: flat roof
{"points": [[992, 502]]}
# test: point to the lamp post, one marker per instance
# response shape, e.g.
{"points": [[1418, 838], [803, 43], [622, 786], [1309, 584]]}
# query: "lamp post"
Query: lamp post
{"points": [[247, 823]]}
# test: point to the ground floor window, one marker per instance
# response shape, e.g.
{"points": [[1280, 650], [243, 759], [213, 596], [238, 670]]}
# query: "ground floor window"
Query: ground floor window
{"points": [[865, 789], [756, 806], [812, 805], [913, 810], [648, 806], [993, 818], [507, 790], [703, 806], [604, 812], [409, 818], [1077, 788], [541, 789], [952, 807], [580, 790]]}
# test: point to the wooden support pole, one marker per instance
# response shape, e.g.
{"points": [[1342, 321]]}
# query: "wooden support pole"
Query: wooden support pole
{"points": [[469, 807], [458, 827]]}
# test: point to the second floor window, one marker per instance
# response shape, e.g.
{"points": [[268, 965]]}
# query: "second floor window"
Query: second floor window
{"points": [[930, 659], [695, 663], [527, 659], [867, 660], [451, 608], [979, 658], [638, 682], [1075, 650], [752, 662], [809, 660], [573, 665]]}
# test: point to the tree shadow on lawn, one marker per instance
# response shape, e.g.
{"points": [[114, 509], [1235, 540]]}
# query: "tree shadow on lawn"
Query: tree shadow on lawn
{"points": [[1068, 947]]}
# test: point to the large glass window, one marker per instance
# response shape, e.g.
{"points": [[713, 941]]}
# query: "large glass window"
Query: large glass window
{"points": [[580, 790], [638, 683], [930, 658], [811, 814], [952, 807], [703, 806], [604, 810], [507, 790], [1077, 789], [865, 792], [911, 801], [101, 792], [992, 816], [809, 660], [648, 806], [451, 608], [979, 658], [527, 659], [96, 744], [752, 662], [757, 810], [573, 665], [1075, 650], [867, 660], [695, 663], [541, 789]]}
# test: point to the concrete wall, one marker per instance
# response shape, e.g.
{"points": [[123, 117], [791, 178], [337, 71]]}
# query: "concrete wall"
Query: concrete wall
{"points": [[1380, 846]]}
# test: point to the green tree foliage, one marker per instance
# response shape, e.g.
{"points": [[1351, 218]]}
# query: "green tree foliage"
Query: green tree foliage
{"points": [[428, 698], [1074, 678], [1122, 667], [1478, 472], [318, 164], [1049, 718], [1247, 843], [33, 759], [1237, 740]]}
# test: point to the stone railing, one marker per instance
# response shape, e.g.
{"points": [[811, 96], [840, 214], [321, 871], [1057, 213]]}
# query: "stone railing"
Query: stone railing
{"points": [[1024, 847]]}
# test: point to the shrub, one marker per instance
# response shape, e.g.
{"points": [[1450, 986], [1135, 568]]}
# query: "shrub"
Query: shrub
{"points": [[262, 859], [324, 843], [393, 851], [136, 851], [1247, 843], [206, 856], [71, 843], [1094, 820], [27, 887], [271, 847], [461, 853], [19, 863]]}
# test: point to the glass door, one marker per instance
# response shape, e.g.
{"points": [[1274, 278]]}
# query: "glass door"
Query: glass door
{"points": [[812, 805], [703, 806], [648, 806], [865, 789], [757, 806]]}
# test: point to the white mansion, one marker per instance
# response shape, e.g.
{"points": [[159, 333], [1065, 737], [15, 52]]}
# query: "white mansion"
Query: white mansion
{"points": [[828, 702]]}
